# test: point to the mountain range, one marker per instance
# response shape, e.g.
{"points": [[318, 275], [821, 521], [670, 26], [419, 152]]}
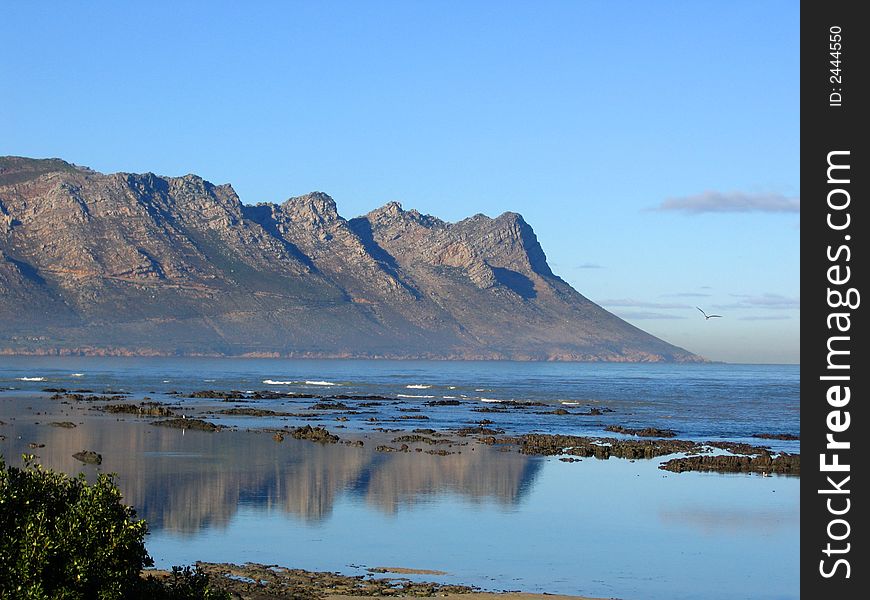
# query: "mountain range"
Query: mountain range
{"points": [[140, 264]]}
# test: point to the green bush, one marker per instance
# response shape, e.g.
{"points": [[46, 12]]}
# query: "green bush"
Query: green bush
{"points": [[63, 538], [184, 584]]}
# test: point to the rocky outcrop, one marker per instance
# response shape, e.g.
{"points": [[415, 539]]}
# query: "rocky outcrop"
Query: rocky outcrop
{"points": [[142, 264]]}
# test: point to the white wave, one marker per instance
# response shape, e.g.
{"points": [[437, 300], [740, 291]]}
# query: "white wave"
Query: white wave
{"points": [[490, 400], [412, 396], [209, 380], [320, 383], [418, 386], [165, 381], [570, 403], [77, 374], [452, 387], [449, 397], [31, 379], [273, 382]]}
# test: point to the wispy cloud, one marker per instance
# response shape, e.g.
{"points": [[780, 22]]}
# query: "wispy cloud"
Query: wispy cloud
{"points": [[687, 295], [775, 301], [628, 302], [764, 318], [643, 314], [588, 266], [731, 202]]}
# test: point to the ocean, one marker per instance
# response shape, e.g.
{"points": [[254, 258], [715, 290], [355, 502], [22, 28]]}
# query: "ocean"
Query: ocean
{"points": [[486, 517]]}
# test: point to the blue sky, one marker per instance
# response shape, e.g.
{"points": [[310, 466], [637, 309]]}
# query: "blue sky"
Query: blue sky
{"points": [[653, 146]]}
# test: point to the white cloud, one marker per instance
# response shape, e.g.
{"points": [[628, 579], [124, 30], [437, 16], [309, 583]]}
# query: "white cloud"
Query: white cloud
{"points": [[639, 315], [771, 301], [687, 295], [765, 318], [731, 202], [627, 302]]}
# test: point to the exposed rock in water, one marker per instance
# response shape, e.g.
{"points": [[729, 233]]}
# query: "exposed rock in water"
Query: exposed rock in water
{"points": [[151, 409], [554, 445], [478, 430], [776, 436], [81, 397], [447, 402], [385, 448], [784, 464], [181, 423], [439, 452], [329, 406], [261, 582], [89, 457], [740, 448], [419, 438], [219, 394], [63, 424], [314, 434], [748, 458], [521, 403], [646, 432], [429, 432], [250, 412]]}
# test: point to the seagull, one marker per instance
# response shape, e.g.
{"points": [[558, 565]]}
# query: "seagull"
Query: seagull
{"points": [[706, 316]]}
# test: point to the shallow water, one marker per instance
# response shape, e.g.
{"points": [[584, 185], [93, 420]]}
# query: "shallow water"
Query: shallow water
{"points": [[500, 520], [699, 402]]}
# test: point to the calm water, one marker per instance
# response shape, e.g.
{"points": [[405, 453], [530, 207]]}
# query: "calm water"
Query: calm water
{"points": [[499, 520]]}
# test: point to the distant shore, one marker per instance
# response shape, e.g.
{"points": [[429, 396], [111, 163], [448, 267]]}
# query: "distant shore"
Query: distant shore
{"points": [[97, 352]]}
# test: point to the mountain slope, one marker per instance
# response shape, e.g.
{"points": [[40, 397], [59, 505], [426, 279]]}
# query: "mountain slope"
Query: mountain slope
{"points": [[143, 264]]}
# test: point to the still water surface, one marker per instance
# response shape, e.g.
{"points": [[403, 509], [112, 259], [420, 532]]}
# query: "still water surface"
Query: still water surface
{"points": [[500, 520]]}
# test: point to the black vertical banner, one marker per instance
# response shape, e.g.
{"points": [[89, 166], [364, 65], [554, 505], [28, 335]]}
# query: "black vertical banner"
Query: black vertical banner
{"points": [[834, 223]]}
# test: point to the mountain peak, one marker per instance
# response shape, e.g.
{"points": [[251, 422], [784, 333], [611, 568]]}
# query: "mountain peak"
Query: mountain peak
{"points": [[18, 169], [314, 207], [130, 264]]}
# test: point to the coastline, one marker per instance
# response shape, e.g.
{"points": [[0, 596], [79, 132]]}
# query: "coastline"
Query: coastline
{"points": [[112, 351], [273, 582]]}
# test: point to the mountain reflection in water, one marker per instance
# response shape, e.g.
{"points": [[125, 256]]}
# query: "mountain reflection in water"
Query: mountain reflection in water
{"points": [[187, 481]]}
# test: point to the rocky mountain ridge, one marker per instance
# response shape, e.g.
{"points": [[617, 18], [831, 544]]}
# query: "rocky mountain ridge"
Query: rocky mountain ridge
{"points": [[143, 264]]}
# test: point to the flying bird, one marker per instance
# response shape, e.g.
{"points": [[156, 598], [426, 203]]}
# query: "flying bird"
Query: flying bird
{"points": [[706, 316]]}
